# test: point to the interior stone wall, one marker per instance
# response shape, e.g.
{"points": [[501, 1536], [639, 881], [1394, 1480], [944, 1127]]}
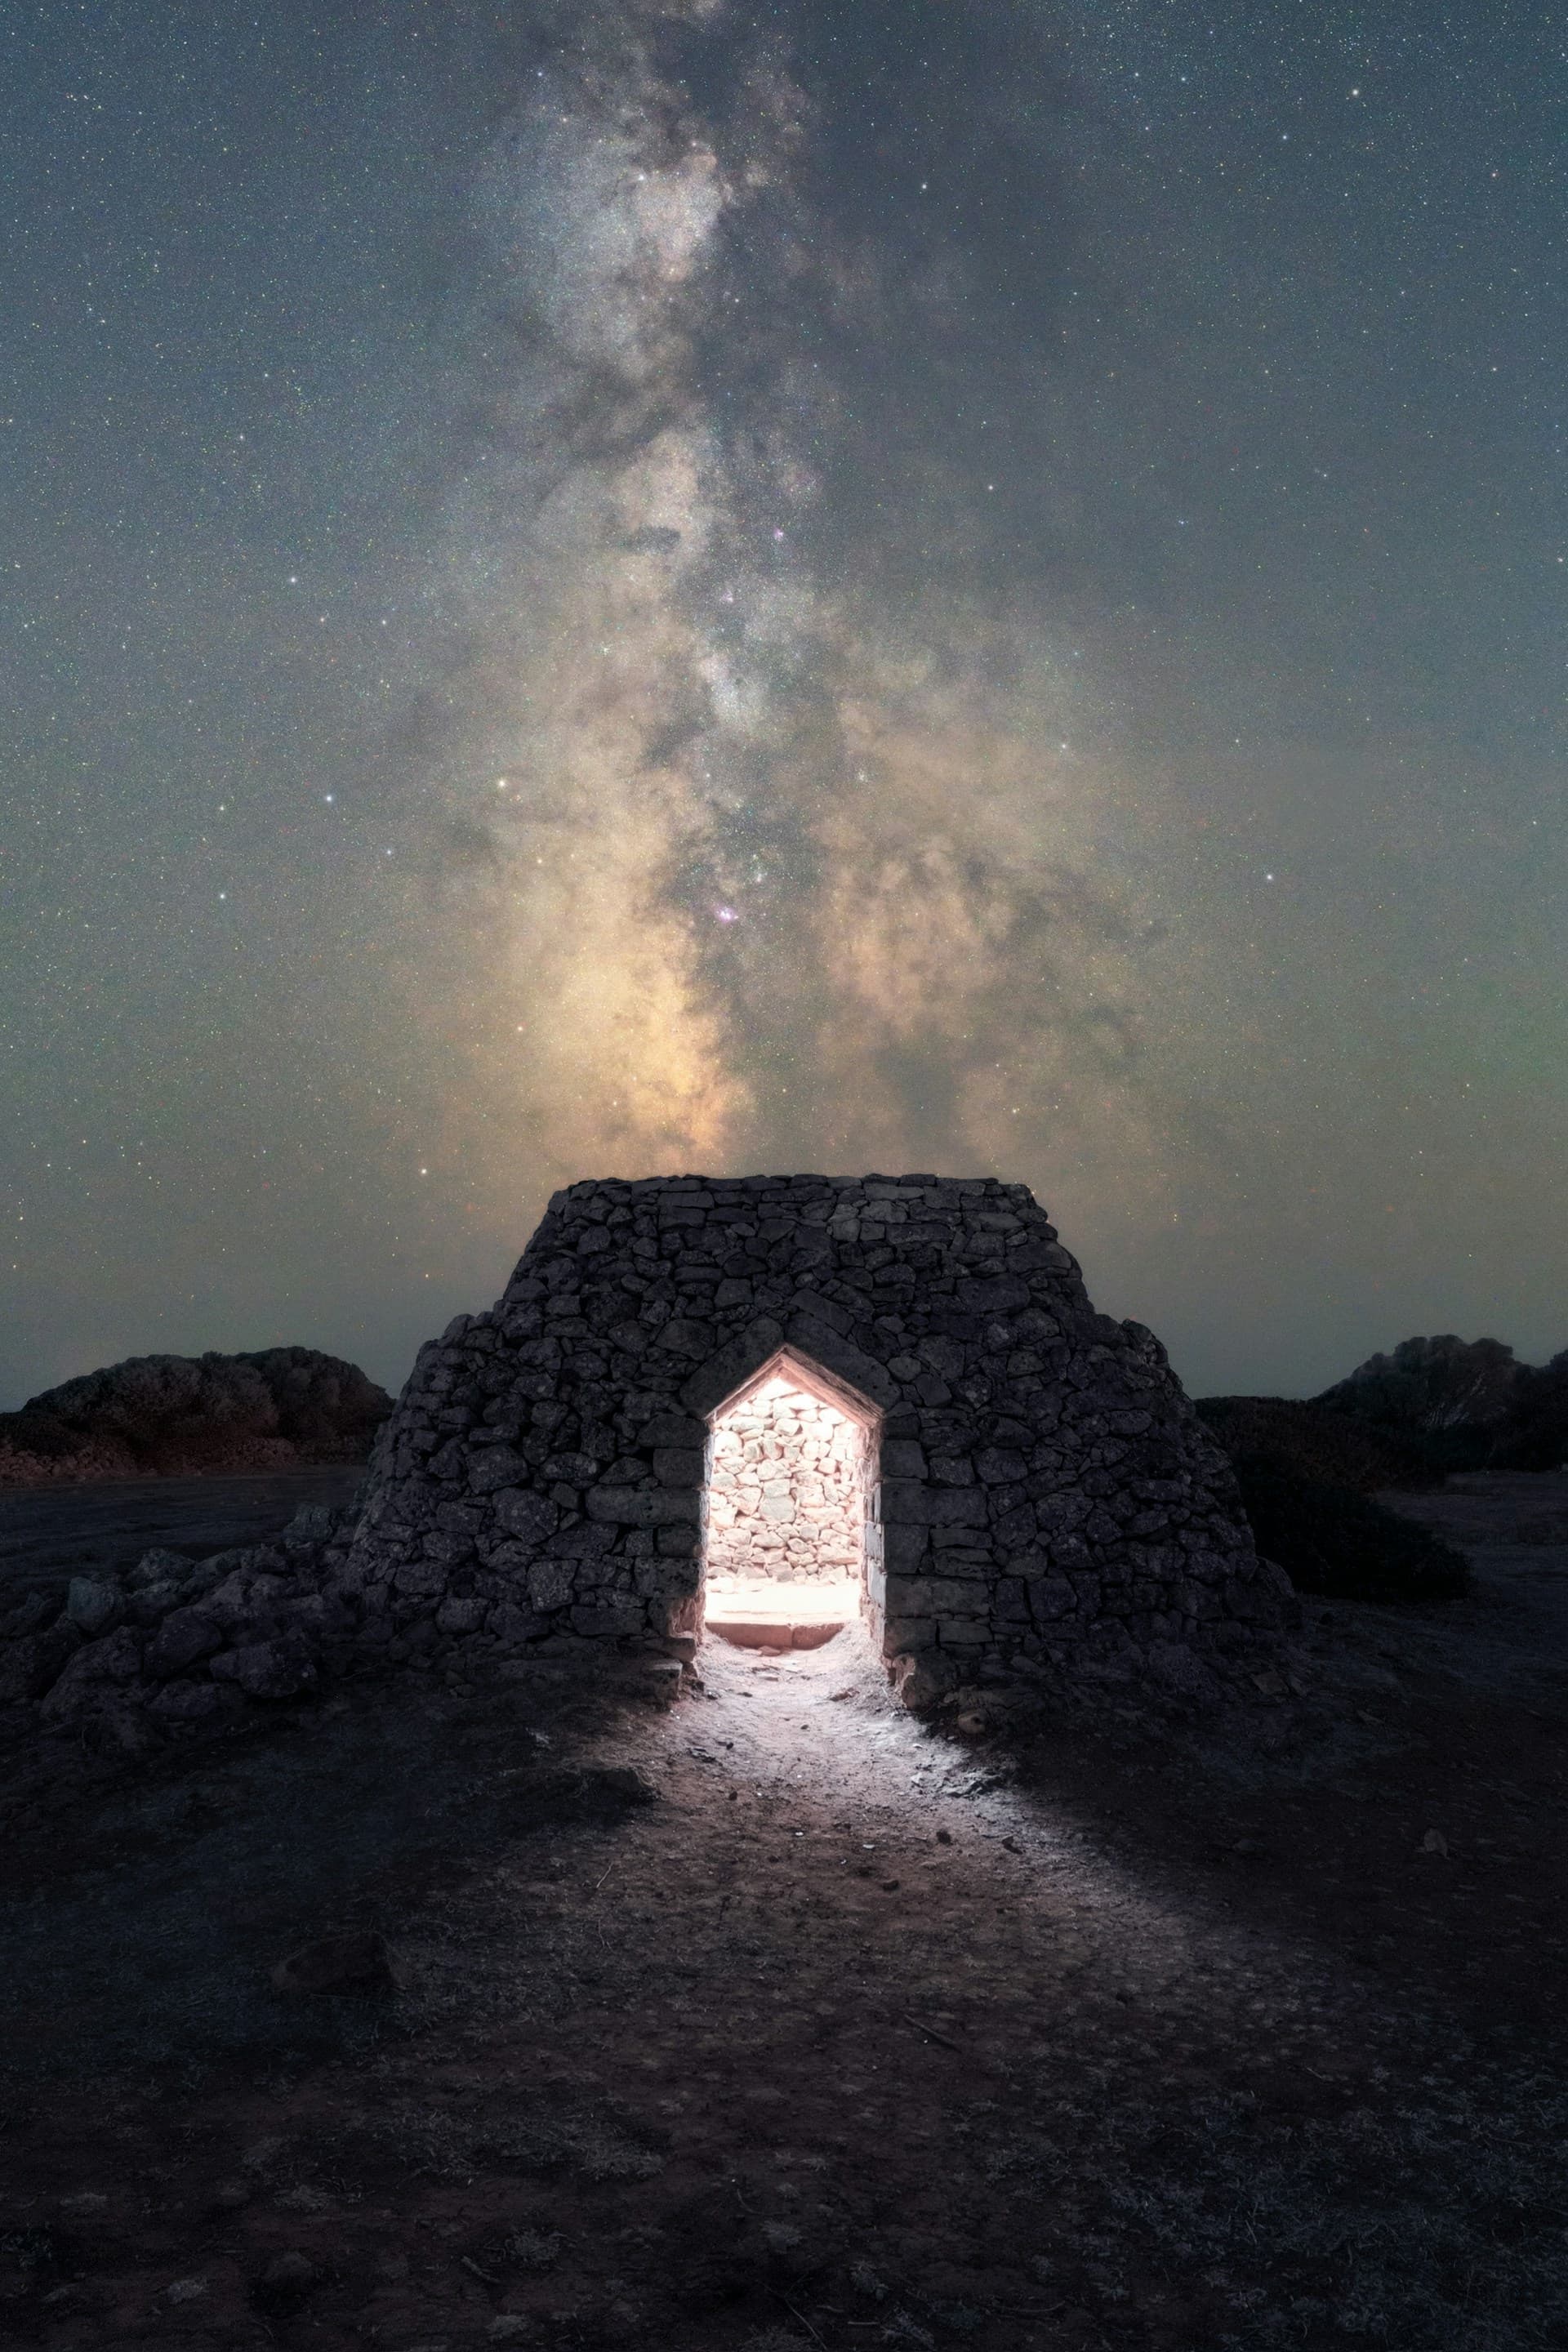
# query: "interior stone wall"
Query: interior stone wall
{"points": [[786, 1489], [1051, 1505]]}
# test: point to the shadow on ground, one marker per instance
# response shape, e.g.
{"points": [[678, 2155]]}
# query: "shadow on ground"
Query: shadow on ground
{"points": [[843, 2031]]}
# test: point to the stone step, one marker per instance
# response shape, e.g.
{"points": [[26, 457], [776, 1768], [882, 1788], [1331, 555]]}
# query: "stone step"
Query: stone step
{"points": [[760, 1613], [752, 1633]]}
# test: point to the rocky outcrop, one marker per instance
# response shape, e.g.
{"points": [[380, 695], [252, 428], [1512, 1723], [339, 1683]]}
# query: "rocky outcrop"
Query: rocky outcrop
{"points": [[170, 1415], [1533, 1432], [1431, 1384]]}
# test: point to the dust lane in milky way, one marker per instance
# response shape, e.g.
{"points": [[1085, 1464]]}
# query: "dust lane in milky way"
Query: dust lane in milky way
{"points": [[834, 586]]}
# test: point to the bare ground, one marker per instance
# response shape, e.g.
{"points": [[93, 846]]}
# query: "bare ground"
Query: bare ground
{"points": [[854, 2033], [49, 1534]]}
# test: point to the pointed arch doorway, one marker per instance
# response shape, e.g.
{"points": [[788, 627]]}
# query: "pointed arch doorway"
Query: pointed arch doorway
{"points": [[792, 1536]]}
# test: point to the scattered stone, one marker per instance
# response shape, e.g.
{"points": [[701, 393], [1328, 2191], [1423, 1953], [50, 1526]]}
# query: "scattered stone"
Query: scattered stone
{"points": [[178, 1705], [158, 1567], [30, 1667], [285, 2285], [624, 1782], [357, 1963], [1549, 1527], [592, 1794], [532, 2250], [280, 1669], [920, 1683], [184, 1638], [94, 1607]]}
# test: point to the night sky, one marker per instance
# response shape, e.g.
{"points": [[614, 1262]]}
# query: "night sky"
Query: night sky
{"points": [[849, 584]]}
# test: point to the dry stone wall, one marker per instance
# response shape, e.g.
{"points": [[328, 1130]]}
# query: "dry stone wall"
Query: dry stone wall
{"points": [[1052, 1507], [1051, 1503], [787, 1489]]}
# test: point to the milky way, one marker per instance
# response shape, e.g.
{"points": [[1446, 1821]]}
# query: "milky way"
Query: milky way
{"points": [[960, 585], [771, 837]]}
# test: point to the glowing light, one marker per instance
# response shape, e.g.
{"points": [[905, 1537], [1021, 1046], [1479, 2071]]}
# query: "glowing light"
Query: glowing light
{"points": [[784, 1559]]}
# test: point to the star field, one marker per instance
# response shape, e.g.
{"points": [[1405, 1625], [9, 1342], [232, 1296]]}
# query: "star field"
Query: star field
{"points": [[812, 586]]}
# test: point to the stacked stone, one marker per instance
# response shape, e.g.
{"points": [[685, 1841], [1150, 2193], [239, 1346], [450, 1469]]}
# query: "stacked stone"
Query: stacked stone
{"points": [[787, 1498], [1051, 1502], [177, 1645]]}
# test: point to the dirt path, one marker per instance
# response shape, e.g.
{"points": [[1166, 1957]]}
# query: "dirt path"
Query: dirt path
{"points": [[854, 2035]]}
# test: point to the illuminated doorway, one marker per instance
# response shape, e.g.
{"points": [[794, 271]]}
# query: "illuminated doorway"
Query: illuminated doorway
{"points": [[792, 1535]]}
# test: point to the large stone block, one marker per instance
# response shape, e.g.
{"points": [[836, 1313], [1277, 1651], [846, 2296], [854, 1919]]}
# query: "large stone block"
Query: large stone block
{"points": [[685, 1337], [904, 1548], [640, 1506], [679, 1430], [732, 1364], [678, 1466], [529, 1515], [462, 1616], [932, 1596], [184, 1638], [1052, 1597], [493, 1467], [419, 1577], [550, 1583], [589, 1542]]}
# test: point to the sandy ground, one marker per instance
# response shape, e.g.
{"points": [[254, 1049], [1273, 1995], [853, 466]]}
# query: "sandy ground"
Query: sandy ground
{"points": [[850, 2033]]}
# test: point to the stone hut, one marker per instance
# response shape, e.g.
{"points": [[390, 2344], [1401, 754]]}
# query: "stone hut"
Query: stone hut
{"points": [[753, 1404]]}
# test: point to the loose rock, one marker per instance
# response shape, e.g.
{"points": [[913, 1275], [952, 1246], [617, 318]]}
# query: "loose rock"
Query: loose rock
{"points": [[355, 1963]]}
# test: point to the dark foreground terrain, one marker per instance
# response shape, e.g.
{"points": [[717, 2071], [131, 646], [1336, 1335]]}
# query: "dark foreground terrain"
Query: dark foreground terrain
{"points": [[49, 1534], [842, 2032]]}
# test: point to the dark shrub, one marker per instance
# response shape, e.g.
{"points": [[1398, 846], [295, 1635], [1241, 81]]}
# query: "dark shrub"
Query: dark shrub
{"points": [[1313, 1442], [1533, 1432], [1332, 1541]]}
